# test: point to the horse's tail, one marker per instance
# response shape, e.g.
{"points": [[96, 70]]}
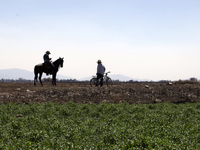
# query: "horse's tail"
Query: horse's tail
{"points": [[36, 74]]}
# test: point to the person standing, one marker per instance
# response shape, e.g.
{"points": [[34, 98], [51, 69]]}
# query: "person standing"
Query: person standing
{"points": [[100, 71]]}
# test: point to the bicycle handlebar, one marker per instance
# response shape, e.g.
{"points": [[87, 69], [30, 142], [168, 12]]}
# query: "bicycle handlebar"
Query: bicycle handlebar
{"points": [[108, 72]]}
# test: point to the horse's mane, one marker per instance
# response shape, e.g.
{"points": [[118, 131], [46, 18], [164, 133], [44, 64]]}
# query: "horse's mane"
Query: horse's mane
{"points": [[56, 62]]}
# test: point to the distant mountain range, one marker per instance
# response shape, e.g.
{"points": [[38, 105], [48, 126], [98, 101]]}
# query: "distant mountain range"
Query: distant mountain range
{"points": [[24, 74]]}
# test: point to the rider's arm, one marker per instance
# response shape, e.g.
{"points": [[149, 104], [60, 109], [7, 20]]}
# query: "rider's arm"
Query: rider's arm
{"points": [[98, 68]]}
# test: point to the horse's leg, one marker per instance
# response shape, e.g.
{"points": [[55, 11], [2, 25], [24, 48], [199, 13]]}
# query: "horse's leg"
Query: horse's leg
{"points": [[35, 79], [36, 75], [54, 79], [40, 78]]}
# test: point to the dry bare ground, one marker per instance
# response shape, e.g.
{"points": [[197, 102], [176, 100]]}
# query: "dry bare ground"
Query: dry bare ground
{"points": [[133, 93]]}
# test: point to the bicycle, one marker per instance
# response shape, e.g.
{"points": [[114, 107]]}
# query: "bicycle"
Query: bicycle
{"points": [[106, 79]]}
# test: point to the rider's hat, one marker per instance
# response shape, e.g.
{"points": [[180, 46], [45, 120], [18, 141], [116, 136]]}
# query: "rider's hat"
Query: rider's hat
{"points": [[99, 61], [48, 52]]}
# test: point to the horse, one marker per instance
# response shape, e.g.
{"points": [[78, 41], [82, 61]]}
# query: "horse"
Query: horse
{"points": [[40, 68]]}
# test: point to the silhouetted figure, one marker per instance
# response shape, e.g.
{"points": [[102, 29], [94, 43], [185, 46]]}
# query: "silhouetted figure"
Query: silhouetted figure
{"points": [[47, 62], [100, 71]]}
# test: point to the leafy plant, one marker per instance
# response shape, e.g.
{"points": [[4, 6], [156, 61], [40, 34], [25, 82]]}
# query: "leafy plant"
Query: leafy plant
{"points": [[102, 126]]}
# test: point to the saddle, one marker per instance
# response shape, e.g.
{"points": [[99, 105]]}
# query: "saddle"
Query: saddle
{"points": [[47, 66]]}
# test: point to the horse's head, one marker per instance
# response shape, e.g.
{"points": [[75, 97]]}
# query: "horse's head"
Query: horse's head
{"points": [[61, 61], [58, 63]]}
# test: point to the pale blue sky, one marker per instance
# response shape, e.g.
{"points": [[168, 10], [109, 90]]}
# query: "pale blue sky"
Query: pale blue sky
{"points": [[158, 40]]}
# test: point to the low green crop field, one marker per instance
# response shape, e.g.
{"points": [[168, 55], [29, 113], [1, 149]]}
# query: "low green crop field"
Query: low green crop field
{"points": [[102, 126]]}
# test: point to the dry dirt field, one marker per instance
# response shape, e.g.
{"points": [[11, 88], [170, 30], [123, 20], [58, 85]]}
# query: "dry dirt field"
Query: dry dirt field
{"points": [[133, 93]]}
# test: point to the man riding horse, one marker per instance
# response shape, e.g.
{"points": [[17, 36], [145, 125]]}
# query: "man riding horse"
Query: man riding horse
{"points": [[47, 62], [40, 68]]}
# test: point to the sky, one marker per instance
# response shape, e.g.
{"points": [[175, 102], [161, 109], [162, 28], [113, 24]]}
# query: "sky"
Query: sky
{"points": [[156, 40]]}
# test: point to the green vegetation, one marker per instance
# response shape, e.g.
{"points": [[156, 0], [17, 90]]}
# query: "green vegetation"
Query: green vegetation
{"points": [[102, 126]]}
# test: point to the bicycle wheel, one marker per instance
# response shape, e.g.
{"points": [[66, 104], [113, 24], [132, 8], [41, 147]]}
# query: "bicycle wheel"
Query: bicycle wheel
{"points": [[109, 82], [93, 81]]}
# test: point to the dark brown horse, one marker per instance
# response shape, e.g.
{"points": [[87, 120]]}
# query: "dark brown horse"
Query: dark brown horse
{"points": [[40, 68]]}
